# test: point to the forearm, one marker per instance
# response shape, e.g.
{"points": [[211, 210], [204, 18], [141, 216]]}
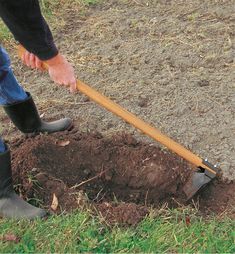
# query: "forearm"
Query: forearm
{"points": [[25, 21]]}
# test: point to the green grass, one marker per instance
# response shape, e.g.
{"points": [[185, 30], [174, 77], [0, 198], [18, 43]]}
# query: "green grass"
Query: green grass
{"points": [[79, 232], [5, 35]]}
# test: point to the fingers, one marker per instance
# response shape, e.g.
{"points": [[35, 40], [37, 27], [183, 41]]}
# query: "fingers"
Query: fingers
{"points": [[29, 59], [39, 64], [62, 72], [26, 57], [64, 79], [71, 83], [32, 61], [22, 58]]}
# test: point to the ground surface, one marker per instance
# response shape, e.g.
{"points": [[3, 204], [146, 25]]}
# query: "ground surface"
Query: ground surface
{"points": [[170, 63], [117, 176]]}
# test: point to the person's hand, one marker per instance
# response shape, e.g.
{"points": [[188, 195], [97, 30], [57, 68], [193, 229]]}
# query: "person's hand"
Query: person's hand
{"points": [[32, 61], [62, 72]]}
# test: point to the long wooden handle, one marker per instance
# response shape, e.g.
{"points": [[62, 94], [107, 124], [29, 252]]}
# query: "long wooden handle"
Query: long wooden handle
{"points": [[138, 123], [141, 125]]}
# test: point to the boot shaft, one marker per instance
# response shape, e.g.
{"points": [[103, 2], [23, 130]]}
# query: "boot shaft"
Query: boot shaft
{"points": [[24, 115], [6, 184], [11, 205], [26, 118]]}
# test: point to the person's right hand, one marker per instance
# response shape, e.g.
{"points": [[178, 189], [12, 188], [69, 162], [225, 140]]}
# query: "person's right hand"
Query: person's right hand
{"points": [[62, 72]]}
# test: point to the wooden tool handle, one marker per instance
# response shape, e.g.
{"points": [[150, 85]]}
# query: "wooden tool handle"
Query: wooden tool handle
{"points": [[141, 125], [138, 123]]}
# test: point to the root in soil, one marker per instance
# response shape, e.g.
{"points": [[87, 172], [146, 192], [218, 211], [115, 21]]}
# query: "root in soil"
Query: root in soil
{"points": [[120, 176]]}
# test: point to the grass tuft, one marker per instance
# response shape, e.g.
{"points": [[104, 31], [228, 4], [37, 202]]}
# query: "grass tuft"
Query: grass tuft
{"points": [[81, 232]]}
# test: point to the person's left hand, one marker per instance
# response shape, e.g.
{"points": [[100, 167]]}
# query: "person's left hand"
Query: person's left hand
{"points": [[32, 61]]}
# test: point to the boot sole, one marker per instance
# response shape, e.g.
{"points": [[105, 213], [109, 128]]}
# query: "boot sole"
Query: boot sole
{"points": [[34, 134]]}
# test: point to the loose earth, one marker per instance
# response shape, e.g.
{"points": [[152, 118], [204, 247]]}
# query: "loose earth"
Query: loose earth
{"points": [[118, 176]]}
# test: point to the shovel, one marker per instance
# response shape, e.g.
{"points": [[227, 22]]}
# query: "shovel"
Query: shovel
{"points": [[205, 171]]}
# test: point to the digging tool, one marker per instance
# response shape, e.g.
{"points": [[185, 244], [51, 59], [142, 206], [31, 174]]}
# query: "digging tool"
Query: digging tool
{"points": [[205, 171]]}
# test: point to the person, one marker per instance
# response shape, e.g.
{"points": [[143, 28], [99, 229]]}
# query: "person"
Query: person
{"points": [[24, 19]]}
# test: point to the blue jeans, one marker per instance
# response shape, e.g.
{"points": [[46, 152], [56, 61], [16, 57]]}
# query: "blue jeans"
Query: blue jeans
{"points": [[10, 90]]}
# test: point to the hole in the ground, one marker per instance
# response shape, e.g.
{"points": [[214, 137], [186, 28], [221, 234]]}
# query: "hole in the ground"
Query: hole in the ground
{"points": [[107, 169], [117, 168]]}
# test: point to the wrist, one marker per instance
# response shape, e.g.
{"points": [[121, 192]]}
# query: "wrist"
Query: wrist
{"points": [[58, 59]]}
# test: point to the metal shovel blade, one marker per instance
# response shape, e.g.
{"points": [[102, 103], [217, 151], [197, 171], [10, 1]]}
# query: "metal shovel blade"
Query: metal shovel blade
{"points": [[196, 182]]}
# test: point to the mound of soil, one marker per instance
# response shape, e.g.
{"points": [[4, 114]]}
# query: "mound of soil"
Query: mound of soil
{"points": [[118, 174]]}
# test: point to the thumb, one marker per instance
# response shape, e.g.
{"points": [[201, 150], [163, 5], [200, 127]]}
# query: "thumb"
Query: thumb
{"points": [[73, 87]]}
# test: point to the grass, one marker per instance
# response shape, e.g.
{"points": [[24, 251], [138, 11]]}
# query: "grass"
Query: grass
{"points": [[80, 232], [5, 35]]}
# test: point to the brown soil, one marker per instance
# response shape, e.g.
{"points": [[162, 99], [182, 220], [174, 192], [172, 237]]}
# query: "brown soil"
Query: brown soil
{"points": [[119, 175]]}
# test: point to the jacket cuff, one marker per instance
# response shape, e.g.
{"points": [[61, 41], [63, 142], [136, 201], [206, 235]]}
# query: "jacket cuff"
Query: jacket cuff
{"points": [[47, 53]]}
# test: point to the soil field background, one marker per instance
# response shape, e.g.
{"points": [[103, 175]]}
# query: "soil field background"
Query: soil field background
{"points": [[172, 63]]}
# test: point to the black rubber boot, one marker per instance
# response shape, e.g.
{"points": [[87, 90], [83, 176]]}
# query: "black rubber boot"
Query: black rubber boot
{"points": [[25, 117], [11, 205]]}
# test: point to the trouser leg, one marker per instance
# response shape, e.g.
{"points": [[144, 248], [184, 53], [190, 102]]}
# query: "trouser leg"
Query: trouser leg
{"points": [[11, 205], [2, 146], [10, 90]]}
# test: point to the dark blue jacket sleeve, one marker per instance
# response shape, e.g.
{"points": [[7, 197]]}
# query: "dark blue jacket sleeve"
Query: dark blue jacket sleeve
{"points": [[25, 21]]}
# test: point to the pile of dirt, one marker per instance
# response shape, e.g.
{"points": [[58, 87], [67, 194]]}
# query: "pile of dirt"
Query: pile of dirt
{"points": [[118, 174]]}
